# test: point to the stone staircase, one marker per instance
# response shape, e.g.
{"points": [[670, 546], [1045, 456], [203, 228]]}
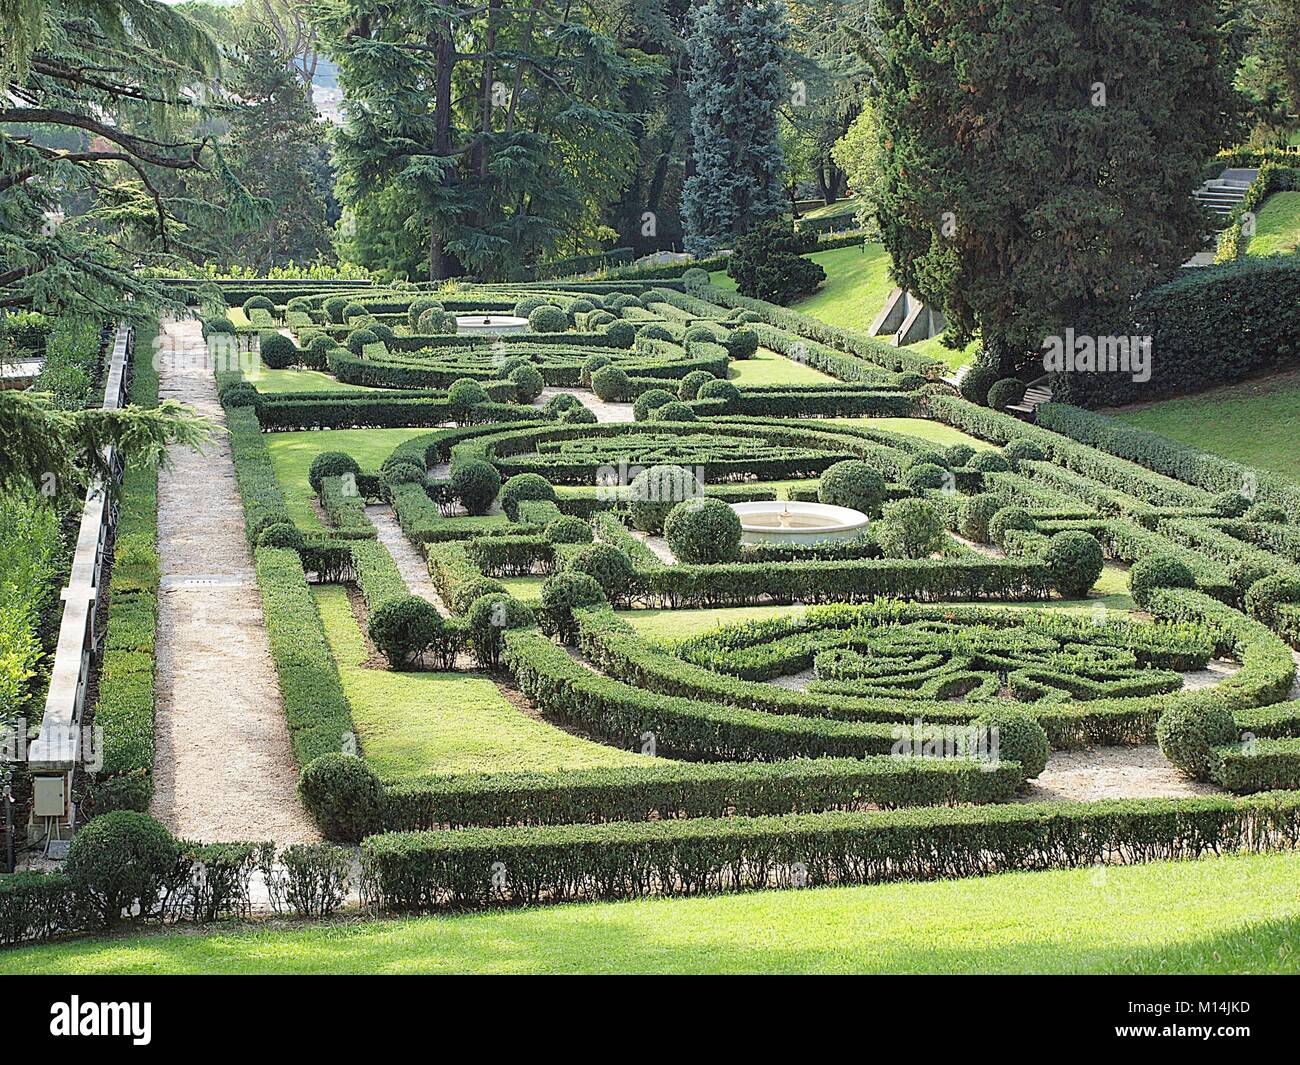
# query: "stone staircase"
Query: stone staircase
{"points": [[1222, 194]]}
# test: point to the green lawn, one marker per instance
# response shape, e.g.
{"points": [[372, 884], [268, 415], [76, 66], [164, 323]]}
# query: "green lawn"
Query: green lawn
{"points": [[275, 381], [922, 428], [420, 723], [837, 208], [292, 455], [950, 358], [1254, 422], [1234, 915], [1277, 225], [857, 283], [769, 368]]}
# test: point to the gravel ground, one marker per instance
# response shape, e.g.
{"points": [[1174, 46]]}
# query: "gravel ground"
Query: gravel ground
{"points": [[605, 412], [1112, 773], [224, 770]]}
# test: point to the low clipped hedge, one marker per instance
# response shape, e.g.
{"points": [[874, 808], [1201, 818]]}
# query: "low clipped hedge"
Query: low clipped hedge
{"points": [[425, 870]]}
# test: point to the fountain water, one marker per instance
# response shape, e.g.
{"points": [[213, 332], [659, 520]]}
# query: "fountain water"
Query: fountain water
{"points": [[793, 522]]}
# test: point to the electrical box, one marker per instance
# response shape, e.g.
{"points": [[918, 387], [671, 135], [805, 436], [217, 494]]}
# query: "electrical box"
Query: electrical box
{"points": [[50, 796]]}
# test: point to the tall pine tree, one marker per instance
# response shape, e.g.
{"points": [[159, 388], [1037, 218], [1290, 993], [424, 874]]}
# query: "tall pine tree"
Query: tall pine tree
{"points": [[737, 83]]}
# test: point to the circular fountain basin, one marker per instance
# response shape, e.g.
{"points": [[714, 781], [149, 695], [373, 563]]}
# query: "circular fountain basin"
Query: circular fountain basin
{"points": [[797, 523], [473, 324]]}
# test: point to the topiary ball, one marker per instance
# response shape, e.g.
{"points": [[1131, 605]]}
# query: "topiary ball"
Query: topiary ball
{"points": [[358, 340], [650, 401], [524, 486], [525, 305], [418, 307], [331, 464], [569, 529], [119, 859], [528, 381], [334, 307], [1265, 597], [655, 491], [974, 516], [281, 534], [403, 628], [718, 389], [926, 475], [989, 462], [1266, 513], [621, 334], [1005, 392], [957, 455], [910, 528], [690, 385], [611, 384], [258, 303], [1008, 519], [611, 568], [1189, 731], [393, 474], [489, 619], [1017, 737], [277, 351], [465, 594], [1074, 561], [593, 365], [563, 593], [676, 411], [703, 530], [853, 484], [976, 383], [476, 484], [1157, 571], [548, 319], [741, 343], [1230, 504], [559, 403], [579, 415], [1023, 451], [464, 394], [344, 796]]}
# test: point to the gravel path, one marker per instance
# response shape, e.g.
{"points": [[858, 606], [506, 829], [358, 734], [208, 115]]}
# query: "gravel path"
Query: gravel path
{"points": [[605, 412], [224, 769], [410, 563], [1112, 773]]}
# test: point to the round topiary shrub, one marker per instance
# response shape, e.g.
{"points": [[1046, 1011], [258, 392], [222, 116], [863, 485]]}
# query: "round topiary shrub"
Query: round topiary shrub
{"points": [[403, 628], [322, 345], [559, 403], [1008, 519], [579, 416], [569, 529], [699, 332], [119, 859], [655, 332], [524, 486], [1017, 737], [1005, 392], [548, 319], [579, 306], [621, 334], [976, 384], [911, 528], [1157, 571], [277, 351], [487, 622], [609, 567], [1189, 731], [592, 366], [1265, 597], [331, 464], [528, 381], [334, 307], [928, 458], [611, 384], [382, 331], [393, 474], [957, 455], [476, 484], [974, 516], [926, 475], [344, 796], [1266, 513], [354, 311], [1074, 561], [695, 278], [562, 594], [655, 491], [703, 530], [465, 594], [463, 395], [989, 462], [241, 394], [690, 385], [719, 389], [258, 303], [676, 411], [1023, 451], [418, 307], [218, 325], [598, 320], [527, 304], [650, 401], [741, 343], [358, 339], [1230, 504], [281, 534], [852, 484]]}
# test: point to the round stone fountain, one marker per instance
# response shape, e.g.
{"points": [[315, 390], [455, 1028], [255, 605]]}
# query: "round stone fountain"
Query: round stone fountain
{"points": [[791, 522], [496, 324]]}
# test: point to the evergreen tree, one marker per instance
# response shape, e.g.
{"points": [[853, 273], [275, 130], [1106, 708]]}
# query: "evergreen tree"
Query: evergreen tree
{"points": [[737, 83], [1040, 158]]}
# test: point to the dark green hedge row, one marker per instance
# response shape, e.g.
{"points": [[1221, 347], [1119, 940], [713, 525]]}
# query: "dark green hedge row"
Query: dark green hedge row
{"points": [[663, 789], [254, 473], [825, 402], [376, 574], [346, 509], [420, 870], [39, 906], [1258, 765], [314, 704]]}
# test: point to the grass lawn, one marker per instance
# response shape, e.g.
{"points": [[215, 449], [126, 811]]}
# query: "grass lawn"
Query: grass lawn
{"points": [[276, 381], [837, 208], [292, 455], [857, 283], [922, 428], [1234, 915], [237, 315], [1277, 225], [1254, 422], [769, 368], [950, 358], [420, 723]]}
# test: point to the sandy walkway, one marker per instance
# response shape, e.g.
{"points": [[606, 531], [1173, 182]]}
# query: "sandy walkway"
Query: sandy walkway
{"points": [[1112, 773], [410, 562], [224, 769]]}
